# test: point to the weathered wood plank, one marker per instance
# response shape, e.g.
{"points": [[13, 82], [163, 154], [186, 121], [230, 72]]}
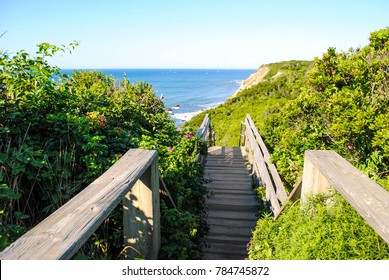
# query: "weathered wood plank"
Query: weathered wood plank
{"points": [[228, 249], [229, 239], [61, 234], [232, 215], [228, 172], [232, 209], [224, 151], [203, 131], [259, 139], [141, 216], [296, 192], [280, 189], [229, 191], [233, 222], [232, 231], [323, 169], [279, 186], [264, 174], [245, 201]]}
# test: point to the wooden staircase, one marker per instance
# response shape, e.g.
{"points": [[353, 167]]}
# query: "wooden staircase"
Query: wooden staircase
{"points": [[232, 208]]}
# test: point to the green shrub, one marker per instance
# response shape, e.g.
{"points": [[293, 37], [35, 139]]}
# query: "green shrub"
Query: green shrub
{"points": [[58, 133], [317, 231], [339, 102]]}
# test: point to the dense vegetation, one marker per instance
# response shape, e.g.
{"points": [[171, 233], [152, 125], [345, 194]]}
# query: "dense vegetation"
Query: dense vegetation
{"points": [[259, 101], [317, 231], [340, 102], [58, 133]]}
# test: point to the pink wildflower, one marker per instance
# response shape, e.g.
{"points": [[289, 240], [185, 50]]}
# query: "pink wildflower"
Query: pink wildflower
{"points": [[190, 136], [171, 149]]}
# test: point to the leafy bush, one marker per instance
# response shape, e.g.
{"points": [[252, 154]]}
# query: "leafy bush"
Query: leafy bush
{"points": [[342, 107], [340, 102], [317, 231], [58, 133]]}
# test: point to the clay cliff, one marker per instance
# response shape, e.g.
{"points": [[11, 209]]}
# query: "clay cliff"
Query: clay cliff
{"points": [[254, 79]]}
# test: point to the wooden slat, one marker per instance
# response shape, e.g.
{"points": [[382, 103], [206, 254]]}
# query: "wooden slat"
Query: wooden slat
{"points": [[296, 192], [232, 208], [259, 139], [61, 234], [279, 186], [204, 128], [280, 189], [204, 132], [264, 174], [367, 197], [293, 196]]}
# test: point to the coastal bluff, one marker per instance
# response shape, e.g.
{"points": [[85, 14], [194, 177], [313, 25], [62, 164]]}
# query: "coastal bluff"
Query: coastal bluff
{"points": [[254, 79]]}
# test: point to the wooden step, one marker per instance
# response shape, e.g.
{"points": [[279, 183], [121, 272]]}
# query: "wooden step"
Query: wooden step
{"points": [[231, 195], [223, 191], [240, 180], [229, 185], [231, 231], [225, 248], [228, 171], [232, 215], [227, 239], [233, 206], [232, 222], [214, 256]]}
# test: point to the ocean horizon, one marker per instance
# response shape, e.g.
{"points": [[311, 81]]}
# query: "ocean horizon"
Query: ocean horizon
{"points": [[187, 92]]}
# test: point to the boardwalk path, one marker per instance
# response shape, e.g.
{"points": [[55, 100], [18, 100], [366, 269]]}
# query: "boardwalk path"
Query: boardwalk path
{"points": [[232, 208]]}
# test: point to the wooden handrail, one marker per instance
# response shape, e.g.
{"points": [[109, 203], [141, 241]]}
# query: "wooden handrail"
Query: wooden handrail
{"points": [[324, 170], [133, 179], [204, 132], [266, 171]]}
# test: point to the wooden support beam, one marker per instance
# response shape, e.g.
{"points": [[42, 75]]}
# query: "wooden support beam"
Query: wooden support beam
{"points": [[141, 216]]}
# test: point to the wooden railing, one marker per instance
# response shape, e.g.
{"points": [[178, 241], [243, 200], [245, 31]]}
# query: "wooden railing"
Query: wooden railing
{"points": [[206, 134], [205, 130], [134, 180], [264, 170], [324, 170]]}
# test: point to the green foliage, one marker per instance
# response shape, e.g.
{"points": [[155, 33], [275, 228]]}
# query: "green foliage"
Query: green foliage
{"points": [[325, 228], [260, 101], [59, 133], [342, 106], [340, 103]]}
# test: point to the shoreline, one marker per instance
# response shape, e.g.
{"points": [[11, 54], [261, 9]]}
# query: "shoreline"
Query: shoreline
{"points": [[187, 116]]}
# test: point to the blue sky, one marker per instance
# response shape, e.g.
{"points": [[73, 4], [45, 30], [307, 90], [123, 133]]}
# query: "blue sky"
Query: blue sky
{"points": [[188, 34]]}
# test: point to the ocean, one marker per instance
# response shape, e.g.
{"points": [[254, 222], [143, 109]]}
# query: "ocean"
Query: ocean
{"points": [[186, 91]]}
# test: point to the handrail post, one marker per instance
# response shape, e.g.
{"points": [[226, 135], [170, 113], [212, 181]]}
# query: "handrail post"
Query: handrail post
{"points": [[141, 216], [313, 181]]}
